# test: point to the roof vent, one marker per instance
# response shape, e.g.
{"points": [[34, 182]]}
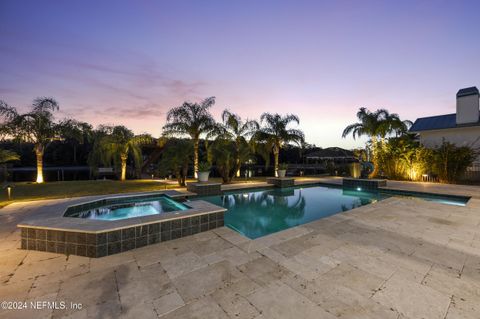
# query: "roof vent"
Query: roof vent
{"points": [[468, 106]]}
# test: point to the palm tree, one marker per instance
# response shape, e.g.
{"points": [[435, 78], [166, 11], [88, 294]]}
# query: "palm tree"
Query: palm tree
{"points": [[8, 156], [118, 143], [37, 127], [192, 119], [226, 155], [176, 158], [275, 133], [76, 133], [233, 128], [96, 156], [369, 124], [5, 157], [376, 125]]}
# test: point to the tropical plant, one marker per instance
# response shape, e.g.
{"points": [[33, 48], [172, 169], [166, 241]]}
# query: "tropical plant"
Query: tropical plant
{"points": [[117, 143], [283, 166], [263, 149], [176, 158], [8, 156], [96, 156], [76, 133], [275, 133], [204, 167], [5, 157], [403, 158], [37, 127], [450, 162], [224, 154], [360, 154], [233, 128], [192, 119], [377, 126]]}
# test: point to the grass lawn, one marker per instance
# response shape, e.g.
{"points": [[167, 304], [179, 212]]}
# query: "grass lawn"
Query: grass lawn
{"points": [[52, 190]]}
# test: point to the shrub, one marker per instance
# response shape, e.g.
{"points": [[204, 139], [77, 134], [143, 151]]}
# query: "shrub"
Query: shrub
{"points": [[404, 158], [223, 154], [176, 159], [204, 167], [450, 162]]}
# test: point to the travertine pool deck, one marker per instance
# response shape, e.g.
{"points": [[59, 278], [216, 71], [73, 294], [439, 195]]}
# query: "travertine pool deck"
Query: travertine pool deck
{"points": [[396, 258]]}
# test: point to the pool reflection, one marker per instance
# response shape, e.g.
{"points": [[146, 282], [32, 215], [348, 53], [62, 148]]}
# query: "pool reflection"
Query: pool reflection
{"points": [[259, 213]]}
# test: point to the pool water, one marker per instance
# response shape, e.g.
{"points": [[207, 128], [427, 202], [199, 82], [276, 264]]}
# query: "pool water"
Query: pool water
{"points": [[133, 208], [262, 212], [256, 213]]}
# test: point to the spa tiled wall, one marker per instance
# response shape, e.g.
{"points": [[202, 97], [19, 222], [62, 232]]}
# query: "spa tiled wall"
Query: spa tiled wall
{"points": [[116, 241], [364, 184]]}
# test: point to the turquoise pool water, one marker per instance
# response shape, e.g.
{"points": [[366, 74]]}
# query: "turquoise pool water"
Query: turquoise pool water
{"points": [[133, 207], [256, 213], [262, 212]]}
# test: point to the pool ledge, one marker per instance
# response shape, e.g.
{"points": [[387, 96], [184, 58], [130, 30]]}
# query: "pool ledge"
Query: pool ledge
{"points": [[98, 238]]}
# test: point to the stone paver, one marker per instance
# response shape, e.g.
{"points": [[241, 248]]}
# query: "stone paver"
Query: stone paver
{"points": [[397, 258]]}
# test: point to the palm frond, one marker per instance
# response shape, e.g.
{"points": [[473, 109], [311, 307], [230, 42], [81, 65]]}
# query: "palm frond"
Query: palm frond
{"points": [[8, 156], [353, 129], [45, 104]]}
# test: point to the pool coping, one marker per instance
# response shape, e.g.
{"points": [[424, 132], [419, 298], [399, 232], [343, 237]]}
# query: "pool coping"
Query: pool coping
{"points": [[75, 224], [98, 238], [265, 241], [385, 190]]}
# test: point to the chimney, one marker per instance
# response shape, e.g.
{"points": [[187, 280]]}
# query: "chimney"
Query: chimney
{"points": [[468, 106]]}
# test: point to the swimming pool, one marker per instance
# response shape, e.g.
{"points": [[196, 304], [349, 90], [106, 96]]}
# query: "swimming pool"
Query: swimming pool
{"points": [[256, 213]]}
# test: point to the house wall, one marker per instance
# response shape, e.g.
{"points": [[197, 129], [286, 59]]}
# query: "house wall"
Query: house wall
{"points": [[461, 136]]}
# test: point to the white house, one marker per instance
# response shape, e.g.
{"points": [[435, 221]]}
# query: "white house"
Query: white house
{"points": [[461, 128]]}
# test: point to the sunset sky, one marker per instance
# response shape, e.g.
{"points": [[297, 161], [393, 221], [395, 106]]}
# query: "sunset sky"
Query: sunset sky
{"points": [[128, 62]]}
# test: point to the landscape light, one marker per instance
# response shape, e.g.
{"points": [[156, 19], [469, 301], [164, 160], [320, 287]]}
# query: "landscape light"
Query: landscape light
{"points": [[359, 189], [9, 191]]}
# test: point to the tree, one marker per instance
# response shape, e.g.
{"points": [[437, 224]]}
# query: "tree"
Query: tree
{"points": [[226, 154], [5, 157], [376, 125], [450, 162], [176, 158], [117, 143], [192, 119], [8, 156], [275, 133], [76, 133], [96, 155], [37, 127], [233, 128], [404, 157]]}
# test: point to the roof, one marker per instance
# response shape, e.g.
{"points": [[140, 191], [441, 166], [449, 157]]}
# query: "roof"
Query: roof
{"points": [[331, 152], [446, 121], [468, 91], [434, 123], [439, 122]]}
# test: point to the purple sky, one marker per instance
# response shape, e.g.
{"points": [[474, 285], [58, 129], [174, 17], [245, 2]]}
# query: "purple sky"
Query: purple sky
{"points": [[129, 62]]}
